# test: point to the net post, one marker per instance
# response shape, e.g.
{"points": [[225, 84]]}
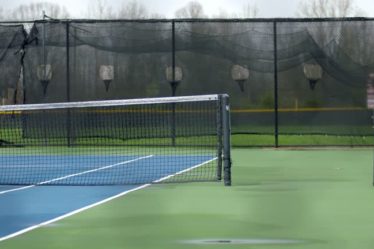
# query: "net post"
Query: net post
{"points": [[174, 86], [372, 118], [226, 128], [276, 124], [219, 138], [68, 119]]}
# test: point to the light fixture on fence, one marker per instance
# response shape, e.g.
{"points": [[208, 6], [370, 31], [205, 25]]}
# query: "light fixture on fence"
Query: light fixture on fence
{"points": [[44, 74], [107, 75], [313, 73], [240, 74], [8, 96], [371, 78], [370, 92], [175, 79]]}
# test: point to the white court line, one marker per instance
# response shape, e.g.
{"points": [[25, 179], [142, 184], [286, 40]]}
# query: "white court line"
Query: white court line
{"points": [[100, 202], [77, 174], [184, 171]]}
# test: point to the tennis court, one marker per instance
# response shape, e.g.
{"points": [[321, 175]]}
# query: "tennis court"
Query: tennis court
{"points": [[98, 170], [60, 159], [149, 173], [316, 198], [24, 207], [75, 179]]}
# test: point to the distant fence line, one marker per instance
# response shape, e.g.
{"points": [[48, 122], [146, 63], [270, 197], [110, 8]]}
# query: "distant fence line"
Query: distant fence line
{"points": [[277, 66]]}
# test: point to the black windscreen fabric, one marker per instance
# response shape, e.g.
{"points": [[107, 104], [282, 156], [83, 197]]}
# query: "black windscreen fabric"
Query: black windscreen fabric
{"points": [[138, 52], [112, 142], [121, 59], [12, 39], [46, 46], [337, 105], [208, 51]]}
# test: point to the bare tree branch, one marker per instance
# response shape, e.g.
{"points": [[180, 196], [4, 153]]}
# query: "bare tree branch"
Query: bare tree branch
{"points": [[34, 11], [193, 9], [99, 9], [2, 15], [133, 10], [248, 11], [329, 8]]}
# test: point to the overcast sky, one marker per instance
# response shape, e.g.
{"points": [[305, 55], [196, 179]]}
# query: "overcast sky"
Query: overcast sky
{"points": [[266, 8]]}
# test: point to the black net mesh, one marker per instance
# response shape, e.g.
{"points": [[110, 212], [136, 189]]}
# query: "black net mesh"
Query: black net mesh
{"points": [[46, 46], [12, 39], [337, 104], [207, 52], [138, 54], [291, 82], [106, 143]]}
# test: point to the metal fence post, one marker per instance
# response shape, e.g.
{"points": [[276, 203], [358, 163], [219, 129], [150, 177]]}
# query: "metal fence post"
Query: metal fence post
{"points": [[226, 125], [275, 84]]}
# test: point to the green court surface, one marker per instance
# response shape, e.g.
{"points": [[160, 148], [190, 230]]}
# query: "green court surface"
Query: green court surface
{"points": [[314, 198]]}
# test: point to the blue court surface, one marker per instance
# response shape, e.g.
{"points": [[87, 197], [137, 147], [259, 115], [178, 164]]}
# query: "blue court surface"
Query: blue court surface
{"points": [[26, 207]]}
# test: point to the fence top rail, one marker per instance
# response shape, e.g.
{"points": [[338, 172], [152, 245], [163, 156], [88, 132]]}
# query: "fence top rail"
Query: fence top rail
{"points": [[191, 20]]}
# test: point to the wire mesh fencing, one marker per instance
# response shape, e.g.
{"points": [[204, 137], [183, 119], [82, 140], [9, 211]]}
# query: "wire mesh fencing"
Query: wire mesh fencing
{"points": [[291, 81]]}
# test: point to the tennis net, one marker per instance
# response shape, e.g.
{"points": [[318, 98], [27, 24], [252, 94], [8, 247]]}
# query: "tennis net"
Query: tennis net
{"points": [[136, 141]]}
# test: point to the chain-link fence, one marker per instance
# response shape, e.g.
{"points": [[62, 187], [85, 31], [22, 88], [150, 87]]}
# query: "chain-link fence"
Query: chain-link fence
{"points": [[290, 81]]}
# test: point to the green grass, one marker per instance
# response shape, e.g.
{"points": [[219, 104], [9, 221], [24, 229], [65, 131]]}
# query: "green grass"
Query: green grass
{"points": [[306, 128], [238, 139], [242, 140], [322, 197]]}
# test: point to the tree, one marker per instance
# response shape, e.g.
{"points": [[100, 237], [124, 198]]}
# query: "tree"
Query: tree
{"points": [[99, 9], [248, 11], [193, 9], [347, 44], [133, 10], [156, 16], [353, 38], [34, 11], [2, 17], [328, 8]]}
